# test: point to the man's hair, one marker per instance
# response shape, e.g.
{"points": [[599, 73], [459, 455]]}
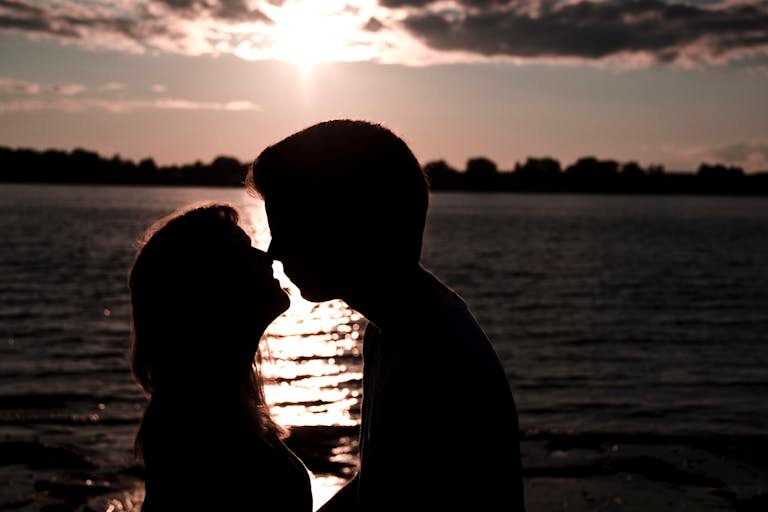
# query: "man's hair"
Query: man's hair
{"points": [[355, 167]]}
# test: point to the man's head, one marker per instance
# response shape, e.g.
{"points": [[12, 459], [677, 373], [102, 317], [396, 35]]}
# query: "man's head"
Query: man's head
{"points": [[345, 200]]}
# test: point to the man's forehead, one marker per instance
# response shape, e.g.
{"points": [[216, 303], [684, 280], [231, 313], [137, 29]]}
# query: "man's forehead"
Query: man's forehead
{"points": [[290, 208], [290, 220]]}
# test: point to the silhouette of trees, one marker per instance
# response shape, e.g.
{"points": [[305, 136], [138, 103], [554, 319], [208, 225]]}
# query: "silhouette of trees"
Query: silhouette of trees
{"points": [[719, 178], [593, 175], [545, 174], [481, 174], [632, 177], [442, 176], [539, 175], [82, 166], [589, 174], [147, 165]]}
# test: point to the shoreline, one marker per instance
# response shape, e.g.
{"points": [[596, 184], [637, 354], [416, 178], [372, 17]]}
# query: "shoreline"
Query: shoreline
{"points": [[582, 472], [512, 192]]}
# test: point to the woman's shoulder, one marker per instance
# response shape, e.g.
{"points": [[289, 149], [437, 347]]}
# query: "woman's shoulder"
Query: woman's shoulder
{"points": [[225, 467]]}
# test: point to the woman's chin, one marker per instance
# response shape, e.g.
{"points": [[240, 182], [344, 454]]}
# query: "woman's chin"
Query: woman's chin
{"points": [[282, 302]]}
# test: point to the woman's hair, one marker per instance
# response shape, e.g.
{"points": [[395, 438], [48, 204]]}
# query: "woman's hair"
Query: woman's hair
{"points": [[196, 320]]}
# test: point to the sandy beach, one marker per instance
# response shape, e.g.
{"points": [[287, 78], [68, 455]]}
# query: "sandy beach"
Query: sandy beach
{"points": [[563, 472]]}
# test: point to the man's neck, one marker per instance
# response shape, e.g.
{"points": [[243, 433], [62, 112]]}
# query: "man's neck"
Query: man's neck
{"points": [[389, 299]]}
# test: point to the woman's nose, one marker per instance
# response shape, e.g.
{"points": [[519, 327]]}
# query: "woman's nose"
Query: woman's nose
{"points": [[272, 251], [261, 256]]}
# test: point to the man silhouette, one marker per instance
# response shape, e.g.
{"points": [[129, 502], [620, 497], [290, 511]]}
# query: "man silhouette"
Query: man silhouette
{"points": [[346, 204]]}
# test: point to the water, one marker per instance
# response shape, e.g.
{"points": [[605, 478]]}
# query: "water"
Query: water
{"points": [[617, 314], [610, 314]]}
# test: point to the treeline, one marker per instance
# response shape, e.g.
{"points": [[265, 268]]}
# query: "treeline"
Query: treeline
{"points": [[590, 174], [587, 174], [82, 166]]}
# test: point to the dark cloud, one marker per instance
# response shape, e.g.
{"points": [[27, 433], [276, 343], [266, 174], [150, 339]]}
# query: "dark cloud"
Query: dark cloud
{"points": [[655, 30], [36, 24], [141, 28], [742, 152], [373, 25], [238, 10], [20, 7], [593, 29], [467, 3], [405, 3], [131, 28], [231, 10], [31, 18]]}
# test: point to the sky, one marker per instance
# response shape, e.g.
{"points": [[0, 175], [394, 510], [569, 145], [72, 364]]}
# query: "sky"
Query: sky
{"points": [[665, 82]]}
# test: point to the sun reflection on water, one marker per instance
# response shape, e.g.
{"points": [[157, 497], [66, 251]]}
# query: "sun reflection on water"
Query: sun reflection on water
{"points": [[313, 365], [313, 369]]}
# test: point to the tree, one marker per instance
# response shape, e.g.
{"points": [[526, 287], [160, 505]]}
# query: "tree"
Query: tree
{"points": [[719, 178], [148, 166], [226, 170], [481, 174], [591, 174], [442, 176], [539, 174]]}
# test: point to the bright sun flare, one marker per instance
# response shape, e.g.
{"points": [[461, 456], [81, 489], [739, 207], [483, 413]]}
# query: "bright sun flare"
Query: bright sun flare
{"points": [[306, 33], [310, 32]]}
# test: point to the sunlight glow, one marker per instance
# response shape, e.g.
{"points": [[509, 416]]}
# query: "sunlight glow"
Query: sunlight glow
{"points": [[309, 32], [313, 368], [324, 487]]}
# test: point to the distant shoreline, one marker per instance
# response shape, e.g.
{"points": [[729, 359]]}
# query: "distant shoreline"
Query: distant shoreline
{"points": [[588, 175], [754, 194]]}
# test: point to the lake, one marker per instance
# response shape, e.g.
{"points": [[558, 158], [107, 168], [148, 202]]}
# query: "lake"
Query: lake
{"points": [[611, 314]]}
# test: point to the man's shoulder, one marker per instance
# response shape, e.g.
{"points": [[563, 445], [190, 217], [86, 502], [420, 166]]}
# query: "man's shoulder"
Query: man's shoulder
{"points": [[451, 318]]}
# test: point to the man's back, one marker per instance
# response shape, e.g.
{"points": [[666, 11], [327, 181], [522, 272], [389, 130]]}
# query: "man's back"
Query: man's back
{"points": [[439, 423]]}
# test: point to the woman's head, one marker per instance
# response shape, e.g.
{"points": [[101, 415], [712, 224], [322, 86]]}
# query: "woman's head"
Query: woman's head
{"points": [[201, 298]]}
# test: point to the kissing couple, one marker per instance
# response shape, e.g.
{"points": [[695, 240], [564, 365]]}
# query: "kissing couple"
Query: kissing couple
{"points": [[439, 428]]}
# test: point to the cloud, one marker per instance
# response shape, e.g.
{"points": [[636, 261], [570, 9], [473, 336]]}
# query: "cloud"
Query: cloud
{"points": [[113, 86], [592, 30], [191, 27], [123, 106], [20, 6], [750, 155], [759, 70], [15, 87], [405, 3], [235, 10], [624, 32], [68, 89], [158, 88], [373, 25]]}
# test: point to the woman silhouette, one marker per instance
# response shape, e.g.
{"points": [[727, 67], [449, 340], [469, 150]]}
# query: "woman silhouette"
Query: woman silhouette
{"points": [[201, 299]]}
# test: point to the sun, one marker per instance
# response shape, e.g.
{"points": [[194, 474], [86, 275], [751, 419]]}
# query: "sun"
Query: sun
{"points": [[310, 32]]}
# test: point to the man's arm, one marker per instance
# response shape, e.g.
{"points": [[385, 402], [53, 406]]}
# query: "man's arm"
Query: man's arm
{"points": [[344, 500]]}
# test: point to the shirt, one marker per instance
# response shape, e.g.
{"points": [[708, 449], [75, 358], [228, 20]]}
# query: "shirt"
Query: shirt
{"points": [[439, 424]]}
